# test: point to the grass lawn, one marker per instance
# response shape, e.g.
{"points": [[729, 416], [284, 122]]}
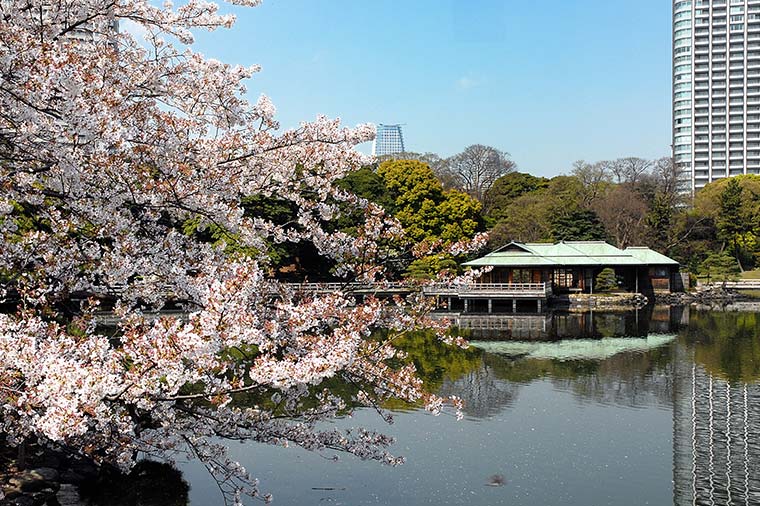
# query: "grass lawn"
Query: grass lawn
{"points": [[751, 274]]}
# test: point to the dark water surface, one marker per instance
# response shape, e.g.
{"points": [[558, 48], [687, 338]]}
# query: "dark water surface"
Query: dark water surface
{"points": [[657, 407]]}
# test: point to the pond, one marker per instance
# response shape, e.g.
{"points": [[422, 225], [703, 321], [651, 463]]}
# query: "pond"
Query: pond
{"points": [[660, 406]]}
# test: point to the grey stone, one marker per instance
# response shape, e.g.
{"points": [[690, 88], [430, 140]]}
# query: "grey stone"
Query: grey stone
{"points": [[68, 495], [22, 500], [36, 479]]}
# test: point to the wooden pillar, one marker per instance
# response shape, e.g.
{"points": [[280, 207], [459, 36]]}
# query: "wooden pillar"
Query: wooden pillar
{"points": [[514, 305], [591, 285], [490, 306], [466, 305], [449, 303], [538, 305], [637, 280]]}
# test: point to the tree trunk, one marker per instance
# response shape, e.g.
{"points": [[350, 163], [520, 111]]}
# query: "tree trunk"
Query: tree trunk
{"points": [[21, 456]]}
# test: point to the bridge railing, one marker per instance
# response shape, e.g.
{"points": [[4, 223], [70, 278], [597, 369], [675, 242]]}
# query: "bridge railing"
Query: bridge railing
{"points": [[541, 290], [346, 287], [746, 284], [494, 289]]}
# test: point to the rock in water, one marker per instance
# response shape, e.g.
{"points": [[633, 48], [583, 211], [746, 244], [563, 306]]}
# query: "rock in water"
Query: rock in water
{"points": [[497, 480]]}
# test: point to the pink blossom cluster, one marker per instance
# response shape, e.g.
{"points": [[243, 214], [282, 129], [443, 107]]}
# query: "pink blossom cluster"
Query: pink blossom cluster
{"points": [[107, 146]]}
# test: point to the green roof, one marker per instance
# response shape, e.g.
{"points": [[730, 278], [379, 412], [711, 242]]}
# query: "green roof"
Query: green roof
{"points": [[649, 256], [570, 253]]}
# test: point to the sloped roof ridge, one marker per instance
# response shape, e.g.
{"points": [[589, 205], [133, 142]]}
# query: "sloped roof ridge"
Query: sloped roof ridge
{"points": [[583, 253], [521, 245]]}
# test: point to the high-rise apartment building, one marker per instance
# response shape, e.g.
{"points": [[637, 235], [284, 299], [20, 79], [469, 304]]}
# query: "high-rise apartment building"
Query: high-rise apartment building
{"points": [[716, 90], [389, 140]]}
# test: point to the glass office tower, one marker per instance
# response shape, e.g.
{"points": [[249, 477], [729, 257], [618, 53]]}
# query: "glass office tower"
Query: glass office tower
{"points": [[389, 140], [716, 90]]}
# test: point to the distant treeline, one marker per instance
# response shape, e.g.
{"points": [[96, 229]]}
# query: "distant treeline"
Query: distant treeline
{"points": [[629, 201]]}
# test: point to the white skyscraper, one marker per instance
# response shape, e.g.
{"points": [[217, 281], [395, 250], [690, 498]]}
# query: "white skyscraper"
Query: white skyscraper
{"points": [[389, 140], [716, 90]]}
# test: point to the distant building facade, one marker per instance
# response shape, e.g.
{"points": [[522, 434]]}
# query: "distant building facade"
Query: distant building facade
{"points": [[716, 90], [389, 140]]}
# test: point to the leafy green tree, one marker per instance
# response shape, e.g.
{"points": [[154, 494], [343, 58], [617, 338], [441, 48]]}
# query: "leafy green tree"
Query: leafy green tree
{"points": [[720, 267], [429, 266], [461, 216], [659, 221], [525, 220], [427, 212], [577, 225], [366, 183], [507, 189], [552, 212], [731, 205], [731, 222], [606, 280]]}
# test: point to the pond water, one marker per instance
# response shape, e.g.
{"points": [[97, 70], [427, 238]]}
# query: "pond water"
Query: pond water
{"points": [[656, 407]]}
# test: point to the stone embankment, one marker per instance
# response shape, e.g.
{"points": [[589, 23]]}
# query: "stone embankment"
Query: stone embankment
{"points": [[52, 478], [712, 297], [47, 479], [603, 301]]}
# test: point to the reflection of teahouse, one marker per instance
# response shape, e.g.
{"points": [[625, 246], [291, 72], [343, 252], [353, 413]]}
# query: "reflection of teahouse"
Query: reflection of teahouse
{"points": [[573, 266]]}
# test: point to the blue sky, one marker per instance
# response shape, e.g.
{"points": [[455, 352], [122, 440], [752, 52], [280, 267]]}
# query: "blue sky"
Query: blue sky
{"points": [[549, 81]]}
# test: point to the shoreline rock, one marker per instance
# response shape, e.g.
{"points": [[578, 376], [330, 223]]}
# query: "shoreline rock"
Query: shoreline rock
{"points": [[704, 297], [601, 301], [55, 478]]}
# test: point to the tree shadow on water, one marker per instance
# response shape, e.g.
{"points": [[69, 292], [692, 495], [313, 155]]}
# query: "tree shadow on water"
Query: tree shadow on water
{"points": [[147, 484]]}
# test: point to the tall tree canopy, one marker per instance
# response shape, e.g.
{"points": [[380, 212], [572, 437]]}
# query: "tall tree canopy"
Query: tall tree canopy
{"points": [[425, 210], [428, 213], [508, 188]]}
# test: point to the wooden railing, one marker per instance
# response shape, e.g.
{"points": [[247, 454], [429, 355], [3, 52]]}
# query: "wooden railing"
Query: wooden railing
{"points": [[744, 284], [470, 290], [495, 290], [349, 287]]}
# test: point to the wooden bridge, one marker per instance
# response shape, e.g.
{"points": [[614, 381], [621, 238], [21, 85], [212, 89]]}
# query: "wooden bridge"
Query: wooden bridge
{"points": [[462, 292], [491, 290], [744, 284]]}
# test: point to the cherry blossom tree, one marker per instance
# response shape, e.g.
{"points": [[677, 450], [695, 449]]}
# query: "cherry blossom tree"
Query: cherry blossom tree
{"points": [[109, 145]]}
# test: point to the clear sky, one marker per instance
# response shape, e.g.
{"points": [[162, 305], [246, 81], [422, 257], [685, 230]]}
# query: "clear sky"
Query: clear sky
{"points": [[549, 81]]}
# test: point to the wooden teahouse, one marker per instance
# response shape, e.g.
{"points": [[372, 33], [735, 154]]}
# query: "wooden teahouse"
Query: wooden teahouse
{"points": [[573, 266]]}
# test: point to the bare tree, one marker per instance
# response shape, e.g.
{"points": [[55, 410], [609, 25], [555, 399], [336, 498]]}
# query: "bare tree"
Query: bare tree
{"points": [[665, 173], [623, 213], [475, 169], [594, 177], [630, 169]]}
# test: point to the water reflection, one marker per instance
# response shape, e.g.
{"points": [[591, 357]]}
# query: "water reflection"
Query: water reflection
{"points": [[147, 484], [726, 344], [484, 392], [555, 326], [716, 435], [707, 370], [660, 406]]}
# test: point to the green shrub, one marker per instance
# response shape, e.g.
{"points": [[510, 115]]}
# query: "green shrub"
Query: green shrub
{"points": [[606, 280]]}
